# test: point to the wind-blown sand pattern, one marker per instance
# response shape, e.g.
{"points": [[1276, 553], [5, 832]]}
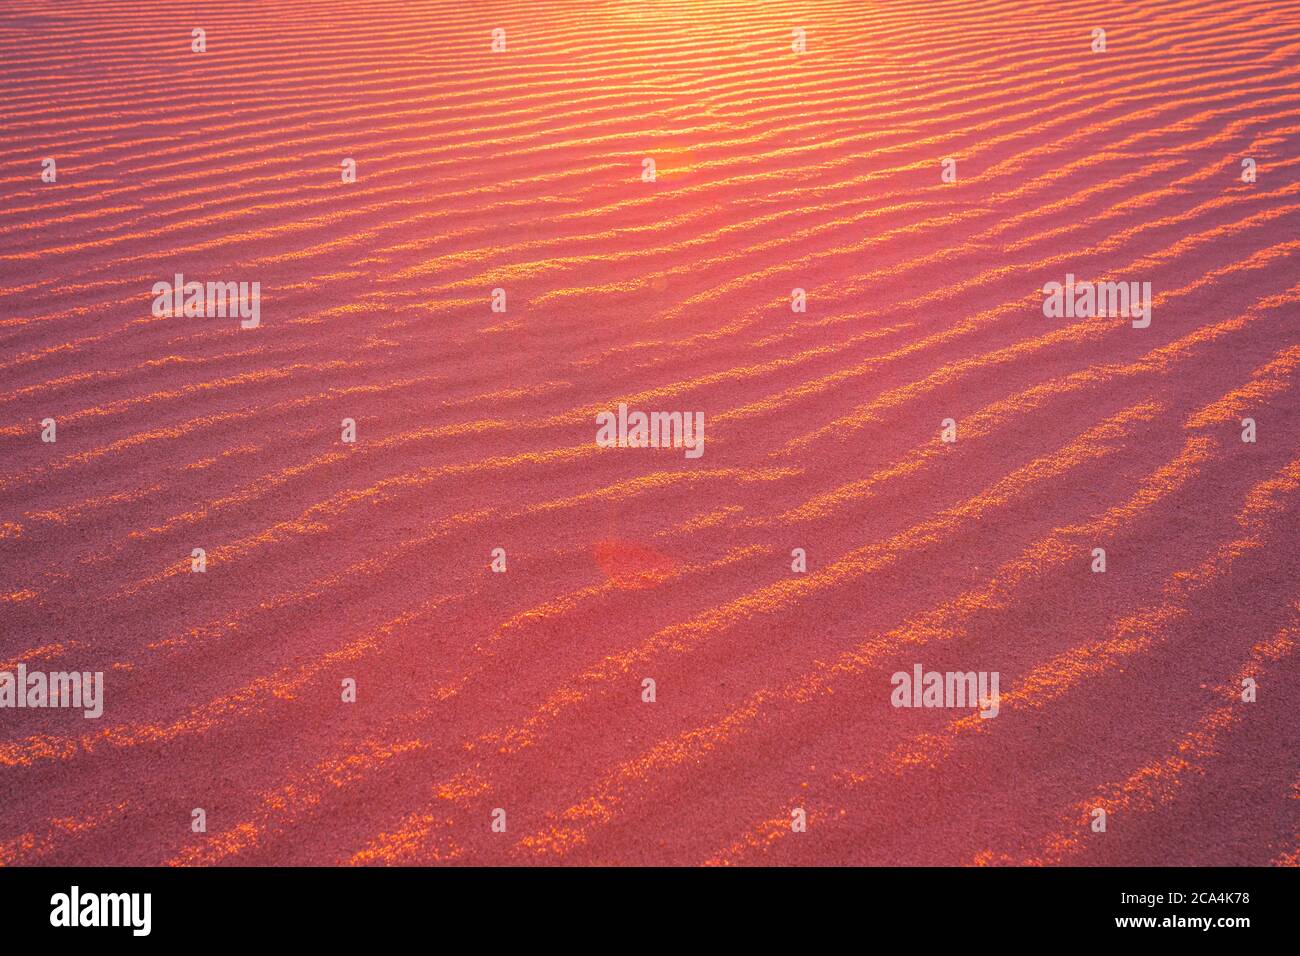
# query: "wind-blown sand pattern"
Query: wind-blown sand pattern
{"points": [[521, 170]]}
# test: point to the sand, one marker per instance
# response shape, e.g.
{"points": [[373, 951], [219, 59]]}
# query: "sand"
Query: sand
{"points": [[774, 170]]}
